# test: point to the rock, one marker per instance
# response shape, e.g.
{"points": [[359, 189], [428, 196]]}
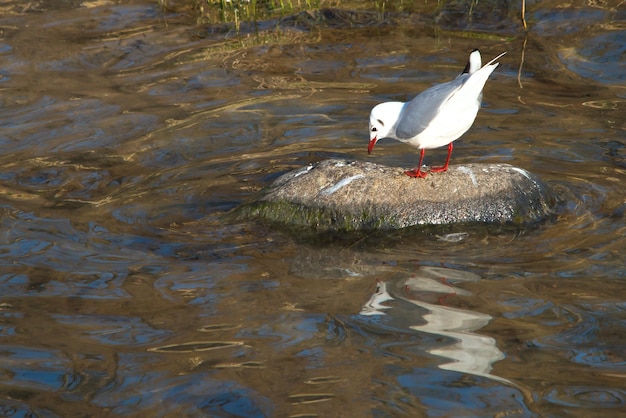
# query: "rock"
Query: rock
{"points": [[353, 195]]}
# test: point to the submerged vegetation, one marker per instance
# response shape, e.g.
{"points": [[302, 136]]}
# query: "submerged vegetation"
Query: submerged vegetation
{"points": [[236, 24], [236, 13], [453, 14]]}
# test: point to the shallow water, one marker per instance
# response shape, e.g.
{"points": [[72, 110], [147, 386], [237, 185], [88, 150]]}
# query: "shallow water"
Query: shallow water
{"points": [[124, 291]]}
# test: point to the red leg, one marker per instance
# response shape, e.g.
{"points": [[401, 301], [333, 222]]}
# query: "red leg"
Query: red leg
{"points": [[445, 166], [417, 172]]}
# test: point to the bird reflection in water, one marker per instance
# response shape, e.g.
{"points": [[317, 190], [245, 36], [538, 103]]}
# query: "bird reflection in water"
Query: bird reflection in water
{"points": [[468, 351]]}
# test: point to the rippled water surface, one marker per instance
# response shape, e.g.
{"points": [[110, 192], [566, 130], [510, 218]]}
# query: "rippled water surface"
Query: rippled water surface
{"points": [[127, 133]]}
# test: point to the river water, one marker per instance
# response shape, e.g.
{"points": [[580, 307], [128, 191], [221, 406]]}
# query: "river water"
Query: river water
{"points": [[128, 132]]}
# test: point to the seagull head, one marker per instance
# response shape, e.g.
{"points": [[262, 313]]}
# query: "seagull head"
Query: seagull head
{"points": [[383, 120]]}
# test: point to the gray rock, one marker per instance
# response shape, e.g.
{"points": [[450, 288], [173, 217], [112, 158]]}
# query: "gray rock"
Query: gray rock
{"points": [[353, 195]]}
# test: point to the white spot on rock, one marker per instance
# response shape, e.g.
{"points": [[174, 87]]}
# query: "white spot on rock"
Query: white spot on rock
{"points": [[522, 172], [470, 173], [341, 183], [303, 171]]}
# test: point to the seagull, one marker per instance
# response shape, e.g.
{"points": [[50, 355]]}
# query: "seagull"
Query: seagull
{"points": [[437, 116]]}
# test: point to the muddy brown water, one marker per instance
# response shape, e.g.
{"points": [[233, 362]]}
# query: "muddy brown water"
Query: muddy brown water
{"points": [[124, 292]]}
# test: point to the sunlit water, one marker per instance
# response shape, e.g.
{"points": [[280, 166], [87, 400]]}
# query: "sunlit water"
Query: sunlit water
{"points": [[124, 291]]}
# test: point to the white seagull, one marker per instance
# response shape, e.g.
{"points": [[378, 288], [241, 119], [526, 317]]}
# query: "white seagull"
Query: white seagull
{"points": [[435, 117]]}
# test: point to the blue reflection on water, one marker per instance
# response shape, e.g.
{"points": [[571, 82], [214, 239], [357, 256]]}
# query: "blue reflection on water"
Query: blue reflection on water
{"points": [[452, 394], [138, 388]]}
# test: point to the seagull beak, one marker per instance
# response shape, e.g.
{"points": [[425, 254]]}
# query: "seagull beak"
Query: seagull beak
{"points": [[370, 146]]}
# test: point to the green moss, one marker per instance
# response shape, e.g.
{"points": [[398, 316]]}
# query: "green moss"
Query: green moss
{"points": [[321, 219]]}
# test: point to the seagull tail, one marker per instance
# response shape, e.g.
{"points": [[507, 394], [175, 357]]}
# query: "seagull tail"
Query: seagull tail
{"points": [[494, 60], [474, 62], [476, 81]]}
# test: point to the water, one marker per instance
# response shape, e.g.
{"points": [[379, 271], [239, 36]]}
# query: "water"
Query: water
{"points": [[126, 137]]}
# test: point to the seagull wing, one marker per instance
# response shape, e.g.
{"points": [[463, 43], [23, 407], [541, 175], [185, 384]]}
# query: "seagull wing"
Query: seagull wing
{"points": [[417, 114]]}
